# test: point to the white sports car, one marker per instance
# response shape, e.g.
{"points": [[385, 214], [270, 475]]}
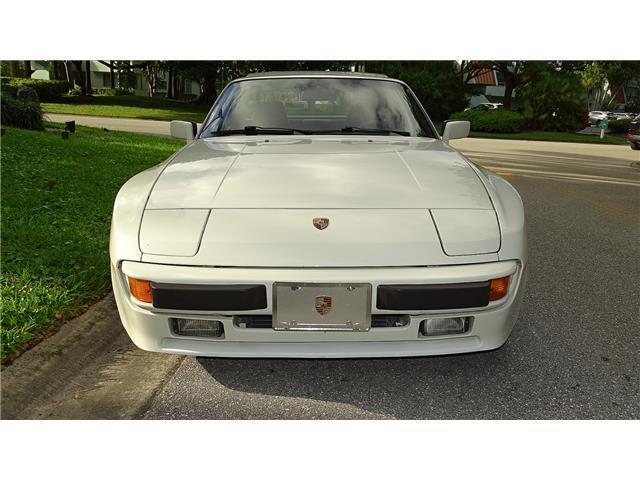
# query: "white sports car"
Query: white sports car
{"points": [[318, 215]]}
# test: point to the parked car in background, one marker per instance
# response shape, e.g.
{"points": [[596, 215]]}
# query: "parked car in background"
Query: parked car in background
{"points": [[318, 215], [624, 115], [485, 106], [597, 115], [633, 136]]}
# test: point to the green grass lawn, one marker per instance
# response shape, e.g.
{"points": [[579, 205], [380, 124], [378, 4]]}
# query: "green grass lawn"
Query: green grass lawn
{"points": [[57, 198], [128, 107], [552, 137]]}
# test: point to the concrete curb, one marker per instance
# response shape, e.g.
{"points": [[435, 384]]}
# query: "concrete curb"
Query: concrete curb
{"points": [[87, 370]]}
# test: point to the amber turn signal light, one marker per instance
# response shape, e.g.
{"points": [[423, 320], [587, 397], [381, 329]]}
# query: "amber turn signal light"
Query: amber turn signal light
{"points": [[498, 288], [141, 289]]}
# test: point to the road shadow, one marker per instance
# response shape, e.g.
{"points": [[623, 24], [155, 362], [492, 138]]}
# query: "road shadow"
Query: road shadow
{"points": [[400, 387], [495, 384]]}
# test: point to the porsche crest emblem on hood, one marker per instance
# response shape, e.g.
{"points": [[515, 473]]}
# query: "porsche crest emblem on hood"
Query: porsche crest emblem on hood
{"points": [[323, 304], [321, 223]]}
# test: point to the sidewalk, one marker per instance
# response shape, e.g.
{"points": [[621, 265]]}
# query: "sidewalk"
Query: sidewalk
{"points": [[88, 370], [135, 125]]}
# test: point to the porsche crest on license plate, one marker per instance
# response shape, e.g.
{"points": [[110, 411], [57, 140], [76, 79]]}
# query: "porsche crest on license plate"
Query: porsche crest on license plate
{"points": [[323, 304], [314, 306]]}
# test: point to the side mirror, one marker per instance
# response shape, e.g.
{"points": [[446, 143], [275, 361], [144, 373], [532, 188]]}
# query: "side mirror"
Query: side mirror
{"points": [[184, 130], [456, 129]]}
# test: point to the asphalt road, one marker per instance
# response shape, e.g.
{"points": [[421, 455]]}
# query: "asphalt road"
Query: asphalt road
{"points": [[574, 354]]}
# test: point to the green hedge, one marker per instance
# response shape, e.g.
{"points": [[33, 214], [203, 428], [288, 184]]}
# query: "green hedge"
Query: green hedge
{"points": [[619, 126], [17, 113], [112, 92], [497, 121], [46, 89]]}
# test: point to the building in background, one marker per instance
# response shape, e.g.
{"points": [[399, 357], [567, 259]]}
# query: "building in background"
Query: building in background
{"points": [[490, 87], [101, 79]]}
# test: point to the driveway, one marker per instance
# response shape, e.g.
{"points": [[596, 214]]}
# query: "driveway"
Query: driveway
{"points": [[573, 354]]}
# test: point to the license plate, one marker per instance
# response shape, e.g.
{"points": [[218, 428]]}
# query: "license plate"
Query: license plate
{"points": [[322, 306]]}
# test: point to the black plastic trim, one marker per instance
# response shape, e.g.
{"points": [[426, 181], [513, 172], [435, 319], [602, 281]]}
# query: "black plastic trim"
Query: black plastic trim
{"points": [[209, 297], [433, 297]]}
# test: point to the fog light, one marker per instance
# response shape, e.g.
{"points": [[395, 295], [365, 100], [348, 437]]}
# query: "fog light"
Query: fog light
{"points": [[189, 327], [445, 326]]}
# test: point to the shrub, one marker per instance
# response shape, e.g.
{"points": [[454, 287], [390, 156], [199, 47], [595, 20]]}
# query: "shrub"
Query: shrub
{"points": [[27, 94], [123, 91], [17, 113], [7, 88], [498, 121], [105, 92], [46, 89], [112, 92], [75, 92], [620, 126]]}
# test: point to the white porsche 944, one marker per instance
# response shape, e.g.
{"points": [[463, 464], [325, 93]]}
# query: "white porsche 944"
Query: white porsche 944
{"points": [[318, 215]]}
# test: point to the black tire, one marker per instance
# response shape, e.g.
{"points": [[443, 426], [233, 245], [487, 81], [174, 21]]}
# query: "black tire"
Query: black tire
{"points": [[634, 146]]}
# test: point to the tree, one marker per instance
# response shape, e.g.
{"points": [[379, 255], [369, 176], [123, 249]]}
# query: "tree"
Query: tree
{"points": [[594, 80], [206, 73], [87, 72], [517, 74], [81, 78], [150, 70], [170, 84], [27, 68], [125, 74], [619, 73], [604, 81], [470, 69], [58, 70], [554, 101]]}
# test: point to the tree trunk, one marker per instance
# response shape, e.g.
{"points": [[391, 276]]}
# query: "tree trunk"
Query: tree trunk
{"points": [[209, 92], [112, 75], [80, 76], [508, 93], [170, 75], [178, 87], [87, 65], [151, 74], [14, 68], [58, 70], [27, 69], [66, 71]]}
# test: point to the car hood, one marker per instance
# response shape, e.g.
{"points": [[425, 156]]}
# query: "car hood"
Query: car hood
{"points": [[320, 172]]}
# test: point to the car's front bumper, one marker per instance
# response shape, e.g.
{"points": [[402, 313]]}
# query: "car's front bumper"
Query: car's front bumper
{"points": [[150, 329]]}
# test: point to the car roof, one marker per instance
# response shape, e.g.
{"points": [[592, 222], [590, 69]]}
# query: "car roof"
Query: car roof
{"points": [[316, 73]]}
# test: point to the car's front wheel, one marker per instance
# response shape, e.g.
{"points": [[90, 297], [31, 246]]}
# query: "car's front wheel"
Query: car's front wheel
{"points": [[634, 146]]}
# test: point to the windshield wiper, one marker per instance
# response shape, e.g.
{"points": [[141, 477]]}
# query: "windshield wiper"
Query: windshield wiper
{"points": [[374, 131], [371, 131], [255, 130]]}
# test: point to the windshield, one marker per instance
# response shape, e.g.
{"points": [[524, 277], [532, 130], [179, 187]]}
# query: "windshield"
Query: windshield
{"points": [[316, 106]]}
